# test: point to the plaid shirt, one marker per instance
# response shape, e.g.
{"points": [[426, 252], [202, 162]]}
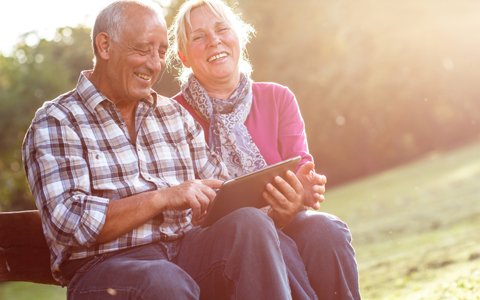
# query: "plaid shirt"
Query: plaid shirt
{"points": [[78, 156]]}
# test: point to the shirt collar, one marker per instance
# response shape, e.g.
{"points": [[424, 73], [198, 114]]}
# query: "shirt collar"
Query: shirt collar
{"points": [[92, 97], [86, 90]]}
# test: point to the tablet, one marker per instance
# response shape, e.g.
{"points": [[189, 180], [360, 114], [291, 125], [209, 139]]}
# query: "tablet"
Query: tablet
{"points": [[246, 190]]}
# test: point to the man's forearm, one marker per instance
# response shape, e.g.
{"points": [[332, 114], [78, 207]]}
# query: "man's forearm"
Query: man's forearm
{"points": [[126, 214]]}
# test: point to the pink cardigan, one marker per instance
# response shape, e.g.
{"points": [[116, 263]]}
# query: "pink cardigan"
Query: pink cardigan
{"points": [[274, 122]]}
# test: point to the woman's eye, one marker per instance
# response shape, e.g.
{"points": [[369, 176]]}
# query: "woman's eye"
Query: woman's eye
{"points": [[197, 37]]}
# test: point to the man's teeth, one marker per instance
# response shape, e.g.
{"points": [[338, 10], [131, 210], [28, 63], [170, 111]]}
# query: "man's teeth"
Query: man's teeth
{"points": [[143, 76], [218, 56]]}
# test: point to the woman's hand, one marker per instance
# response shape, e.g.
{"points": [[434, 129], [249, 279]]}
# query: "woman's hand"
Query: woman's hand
{"points": [[313, 185], [285, 196]]}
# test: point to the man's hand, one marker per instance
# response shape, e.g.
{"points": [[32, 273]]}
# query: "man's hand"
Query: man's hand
{"points": [[313, 185], [194, 194], [125, 214], [285, 196]]}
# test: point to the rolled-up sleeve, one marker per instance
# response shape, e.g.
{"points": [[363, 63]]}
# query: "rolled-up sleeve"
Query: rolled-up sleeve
{"points": [[59, 177]]}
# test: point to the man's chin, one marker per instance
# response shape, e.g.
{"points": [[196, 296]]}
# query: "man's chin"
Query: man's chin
{"points": [[143, 94]]}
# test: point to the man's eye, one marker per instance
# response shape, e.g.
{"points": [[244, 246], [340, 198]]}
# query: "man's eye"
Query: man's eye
{"points": [[162, 53], [142, 51]]}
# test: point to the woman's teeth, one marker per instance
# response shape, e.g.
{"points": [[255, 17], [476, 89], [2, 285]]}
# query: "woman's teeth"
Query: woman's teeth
{"points": [[218, 56]]}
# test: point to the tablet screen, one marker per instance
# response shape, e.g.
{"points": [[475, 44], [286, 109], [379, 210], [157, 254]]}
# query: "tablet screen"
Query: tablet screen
{"points": [[246, 190]]}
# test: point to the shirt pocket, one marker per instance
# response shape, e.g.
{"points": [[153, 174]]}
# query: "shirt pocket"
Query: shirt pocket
{"points": [[174, 160], [100, 171]]}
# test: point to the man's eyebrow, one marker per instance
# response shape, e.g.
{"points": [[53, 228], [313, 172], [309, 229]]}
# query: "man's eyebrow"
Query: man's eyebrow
{"points": [[139, 44]]}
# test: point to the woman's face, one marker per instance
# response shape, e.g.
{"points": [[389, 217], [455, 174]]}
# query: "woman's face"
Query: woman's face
{"points": [[212, 48]]}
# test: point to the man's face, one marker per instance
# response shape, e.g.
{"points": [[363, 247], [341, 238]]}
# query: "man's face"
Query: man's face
{"points": [[136, 60]]}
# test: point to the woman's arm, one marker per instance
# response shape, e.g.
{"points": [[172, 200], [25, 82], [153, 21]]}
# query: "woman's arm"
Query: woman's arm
{"points": [[293, 141]]}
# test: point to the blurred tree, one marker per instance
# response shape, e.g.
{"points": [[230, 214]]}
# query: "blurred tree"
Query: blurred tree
{"points": [[379, 83], [33, 75]]}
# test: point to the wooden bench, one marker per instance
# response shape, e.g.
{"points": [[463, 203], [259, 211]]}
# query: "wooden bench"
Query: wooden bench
{"points": [[24, 255]]}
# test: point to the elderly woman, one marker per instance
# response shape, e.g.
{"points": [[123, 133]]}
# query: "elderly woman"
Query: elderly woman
{"points": [[252, 125]]}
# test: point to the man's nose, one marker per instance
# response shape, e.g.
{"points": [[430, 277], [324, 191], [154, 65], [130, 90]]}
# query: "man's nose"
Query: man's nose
{"points": [[156, 61]]}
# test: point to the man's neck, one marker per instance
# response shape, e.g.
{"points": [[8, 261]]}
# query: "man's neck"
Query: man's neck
{"points": [[127, 108]]}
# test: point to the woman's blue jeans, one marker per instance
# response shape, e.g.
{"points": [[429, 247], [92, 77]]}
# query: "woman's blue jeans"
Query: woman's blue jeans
{"points": [[324, 243]]}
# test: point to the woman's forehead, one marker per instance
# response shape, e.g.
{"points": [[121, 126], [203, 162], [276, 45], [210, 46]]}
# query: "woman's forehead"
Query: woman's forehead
{"points": [[203, 15]]}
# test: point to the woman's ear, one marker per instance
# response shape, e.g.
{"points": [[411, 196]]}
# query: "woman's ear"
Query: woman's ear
{"points": [[183, 58], [102, 42]]}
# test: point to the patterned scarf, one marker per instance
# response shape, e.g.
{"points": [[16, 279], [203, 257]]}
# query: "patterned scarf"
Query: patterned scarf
{"points": [[228, 135]]}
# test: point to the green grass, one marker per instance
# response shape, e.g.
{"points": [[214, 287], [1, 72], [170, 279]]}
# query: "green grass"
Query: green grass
{"points": [[415, 228], [415, 231], [31, 291]]}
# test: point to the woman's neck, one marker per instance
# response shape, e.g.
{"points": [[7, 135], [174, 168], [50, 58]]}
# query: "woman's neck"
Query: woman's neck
{"points": [[221, 89]]}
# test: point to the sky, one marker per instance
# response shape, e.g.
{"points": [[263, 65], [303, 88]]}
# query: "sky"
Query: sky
{"points": [[44, 16]]}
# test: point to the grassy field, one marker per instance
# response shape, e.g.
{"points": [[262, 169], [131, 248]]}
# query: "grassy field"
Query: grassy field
{"points": [[415, 231], [416, 227]]}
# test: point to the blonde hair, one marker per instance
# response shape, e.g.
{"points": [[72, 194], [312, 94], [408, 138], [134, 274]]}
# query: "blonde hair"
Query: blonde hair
{"points": [[177, 34]]}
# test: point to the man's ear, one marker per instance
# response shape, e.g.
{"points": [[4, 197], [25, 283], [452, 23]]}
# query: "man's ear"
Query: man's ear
{"points": [[102, 41], [183, 58]]}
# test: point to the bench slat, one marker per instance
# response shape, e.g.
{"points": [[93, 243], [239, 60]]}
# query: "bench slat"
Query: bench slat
{"points": [[24, 255]]}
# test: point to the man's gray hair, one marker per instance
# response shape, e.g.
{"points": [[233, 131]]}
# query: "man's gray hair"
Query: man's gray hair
{"points": [[111, 19]]}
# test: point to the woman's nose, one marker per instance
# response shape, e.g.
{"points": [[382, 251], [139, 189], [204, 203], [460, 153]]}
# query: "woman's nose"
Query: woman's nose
{"points": [[214, 40]]}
